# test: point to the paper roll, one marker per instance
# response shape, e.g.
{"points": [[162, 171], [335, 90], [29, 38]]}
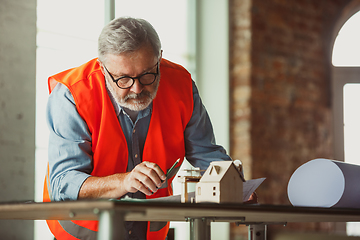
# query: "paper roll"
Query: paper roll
{"points": [[325, 183]]}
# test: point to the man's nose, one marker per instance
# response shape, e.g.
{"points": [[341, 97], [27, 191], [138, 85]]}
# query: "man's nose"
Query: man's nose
{"points": [[137, 87]]}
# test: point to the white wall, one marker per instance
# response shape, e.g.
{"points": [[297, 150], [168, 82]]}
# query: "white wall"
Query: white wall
{"points": [[17, 109], [212, 76], [212, 64]]}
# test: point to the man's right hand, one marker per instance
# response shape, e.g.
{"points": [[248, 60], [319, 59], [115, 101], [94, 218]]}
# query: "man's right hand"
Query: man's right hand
{"points": [[146, 177]]}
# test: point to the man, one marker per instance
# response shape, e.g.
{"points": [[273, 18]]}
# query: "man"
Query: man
{"points": [[119, 122]]}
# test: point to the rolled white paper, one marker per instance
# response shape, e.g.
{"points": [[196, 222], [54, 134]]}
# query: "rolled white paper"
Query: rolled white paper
{"points": [[325, 183]]}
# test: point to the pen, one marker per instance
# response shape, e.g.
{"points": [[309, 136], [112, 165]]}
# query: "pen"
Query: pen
{"points": [[172, 167], [242, 177], [169, 172]]}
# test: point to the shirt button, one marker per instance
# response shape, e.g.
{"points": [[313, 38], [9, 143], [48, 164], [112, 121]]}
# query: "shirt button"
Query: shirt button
{"points": [[129, 232], [134, 131], [136, 155]]}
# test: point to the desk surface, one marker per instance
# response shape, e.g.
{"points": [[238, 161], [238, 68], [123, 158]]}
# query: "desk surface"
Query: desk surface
{"points": [[170, 211]]}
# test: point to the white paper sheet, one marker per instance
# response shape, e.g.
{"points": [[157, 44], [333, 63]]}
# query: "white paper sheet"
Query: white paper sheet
{"points": [[250, 186], [325, 183]]}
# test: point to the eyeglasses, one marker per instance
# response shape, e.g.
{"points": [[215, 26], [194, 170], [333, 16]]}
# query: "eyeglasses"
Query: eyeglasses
{"points": [[144, 79]]}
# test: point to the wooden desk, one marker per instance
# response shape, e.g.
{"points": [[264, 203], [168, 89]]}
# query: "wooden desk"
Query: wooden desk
{"points": [[111, 214]]}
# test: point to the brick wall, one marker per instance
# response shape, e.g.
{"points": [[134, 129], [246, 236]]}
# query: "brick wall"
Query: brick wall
{"points": [[281, 88], [240, 84]]}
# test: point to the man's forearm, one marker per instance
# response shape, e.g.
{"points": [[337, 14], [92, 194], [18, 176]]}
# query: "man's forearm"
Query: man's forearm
{"points": [[103, 187], [146, 177]]}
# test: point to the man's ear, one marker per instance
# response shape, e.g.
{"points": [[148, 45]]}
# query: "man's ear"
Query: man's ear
{"points": [[101, 66]]}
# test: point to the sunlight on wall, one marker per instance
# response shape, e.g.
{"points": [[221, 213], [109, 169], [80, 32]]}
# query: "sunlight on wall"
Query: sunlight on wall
{"points": [[346, 47]]}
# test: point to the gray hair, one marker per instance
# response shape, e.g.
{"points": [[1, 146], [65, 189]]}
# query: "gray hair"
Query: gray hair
{"points": [[126, 34]]}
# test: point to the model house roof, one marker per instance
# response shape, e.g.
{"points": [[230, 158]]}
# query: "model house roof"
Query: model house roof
{"points": [[217, 170]]}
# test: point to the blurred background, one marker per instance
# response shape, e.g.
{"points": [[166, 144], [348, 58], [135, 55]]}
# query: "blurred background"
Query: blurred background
{"points": [[280, 80]]}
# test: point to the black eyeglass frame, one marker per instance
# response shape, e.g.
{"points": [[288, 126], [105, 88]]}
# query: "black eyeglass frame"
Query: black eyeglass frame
{"points": [[133, 78]]}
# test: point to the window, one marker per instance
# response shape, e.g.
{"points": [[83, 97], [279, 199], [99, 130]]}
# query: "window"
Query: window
{"points": [[67, 37], [346, 47], [346, 88], [174, 37]]}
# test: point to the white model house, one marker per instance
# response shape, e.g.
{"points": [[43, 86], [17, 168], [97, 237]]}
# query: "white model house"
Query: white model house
{"points": [[220, 183]]}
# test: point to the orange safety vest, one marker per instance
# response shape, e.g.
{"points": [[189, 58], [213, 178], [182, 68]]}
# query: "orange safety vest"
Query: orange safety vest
{"points": [[172, 110]]}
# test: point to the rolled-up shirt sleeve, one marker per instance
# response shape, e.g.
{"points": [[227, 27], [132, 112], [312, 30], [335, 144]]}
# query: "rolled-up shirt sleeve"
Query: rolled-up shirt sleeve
{"points": [[69, 152], [200, 145]]}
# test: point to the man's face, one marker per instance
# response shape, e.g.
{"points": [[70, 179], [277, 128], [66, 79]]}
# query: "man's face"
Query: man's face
{"points": [[134, 64]]}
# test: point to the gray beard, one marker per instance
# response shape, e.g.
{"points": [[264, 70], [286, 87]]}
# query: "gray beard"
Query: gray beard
{"points": [[132, 100]]}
